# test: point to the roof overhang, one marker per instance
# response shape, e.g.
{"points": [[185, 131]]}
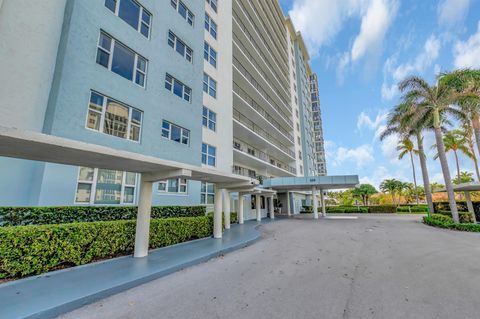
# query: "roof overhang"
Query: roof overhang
{"points": [[306, 183], [48, 148], [465, 187]]}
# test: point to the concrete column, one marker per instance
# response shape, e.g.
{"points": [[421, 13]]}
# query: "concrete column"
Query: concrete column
{"points": [[272, 211], [142, 232], [241, 202], [288, 204], [257, 207], [315, 202], [226, 208], [470, 206], [322, 201], [217, 214]]}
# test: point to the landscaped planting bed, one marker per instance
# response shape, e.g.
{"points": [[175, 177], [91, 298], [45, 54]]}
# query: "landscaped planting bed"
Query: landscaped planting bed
{"points": [[444, 221]]}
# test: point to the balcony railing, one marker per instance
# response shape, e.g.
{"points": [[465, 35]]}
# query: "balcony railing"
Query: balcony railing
{"points": [[260, 131], [255, 152]]}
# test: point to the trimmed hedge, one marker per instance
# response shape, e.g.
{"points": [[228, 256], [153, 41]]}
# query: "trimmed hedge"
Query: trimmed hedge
{"points": [[346, 210], [382, 209], [412, 209], [20, 216], [462, 207], [35, 249], [443, 223], [464, 217]]}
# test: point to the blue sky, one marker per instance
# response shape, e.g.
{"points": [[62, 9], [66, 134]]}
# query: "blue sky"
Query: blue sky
{"points": [[360, 49]]}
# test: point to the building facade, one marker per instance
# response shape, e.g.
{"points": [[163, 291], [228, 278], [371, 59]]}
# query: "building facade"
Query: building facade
{"points": [[320, 160], [208, 83]]}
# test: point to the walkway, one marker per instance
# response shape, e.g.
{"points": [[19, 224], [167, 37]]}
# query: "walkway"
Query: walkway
{"points": [[374, 267], [57, 292]]}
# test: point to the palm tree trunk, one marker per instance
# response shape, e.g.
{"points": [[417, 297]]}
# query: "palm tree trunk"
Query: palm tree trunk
{"points": [[414, 177], [446, 174], [476, 166], [476, 129], [426, 179], [458, 165]]}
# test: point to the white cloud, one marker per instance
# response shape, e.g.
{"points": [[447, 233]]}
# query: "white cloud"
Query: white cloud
{"points": [[380, 174], [467, 54], [364, 120], [394, 73], [360, 155], [451, 12]]}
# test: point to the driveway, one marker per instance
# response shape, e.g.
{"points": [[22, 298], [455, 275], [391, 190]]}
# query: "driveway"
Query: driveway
{"points": [[375, 267]]}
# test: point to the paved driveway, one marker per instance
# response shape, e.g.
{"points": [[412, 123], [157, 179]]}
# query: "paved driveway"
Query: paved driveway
{"points": [[374, 267]]}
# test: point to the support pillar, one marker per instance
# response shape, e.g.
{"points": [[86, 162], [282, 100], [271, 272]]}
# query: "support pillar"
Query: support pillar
{"points": [[289, 212], [217, 214], [272, 211], [315, 202], [142, 231], [226, 208], [241, 201], [257, 207], [322, 201], [470, 205]]}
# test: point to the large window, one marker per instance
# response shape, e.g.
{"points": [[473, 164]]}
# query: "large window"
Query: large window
{"points": [[175, 133], [210, 54], [213, 4], [103, 186], [180, 46], [118, 58], [209, 155], [176, 186], [207, 193], [183, 11], [210, 26], [209, 119], [178, 88], [114, 118], [132, 13], [209, 85]]}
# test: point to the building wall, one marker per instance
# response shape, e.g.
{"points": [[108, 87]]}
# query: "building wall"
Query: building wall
{"points": [[320, 157]]}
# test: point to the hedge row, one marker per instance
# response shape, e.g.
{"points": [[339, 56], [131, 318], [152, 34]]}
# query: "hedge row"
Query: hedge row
{"points": [[464, 217], [462, 207], [35, 249], [346, 210], [412, 209], [20, 216], [443, 222]]}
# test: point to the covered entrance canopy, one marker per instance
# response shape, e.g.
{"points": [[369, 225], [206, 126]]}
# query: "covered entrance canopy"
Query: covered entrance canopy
{"points": [[47, 148], [312, 183], [466, 188]]}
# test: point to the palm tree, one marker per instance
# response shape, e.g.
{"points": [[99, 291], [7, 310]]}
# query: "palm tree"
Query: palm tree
{"points": [[402, 121], [467, 134], [455, 142], [406, 147], [434, 106], [392, 187], [464, 177]]}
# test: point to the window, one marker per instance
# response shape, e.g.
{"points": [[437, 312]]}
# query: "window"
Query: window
{"points": [[209, 85], [210, 54], [104, 186], [209, 119], [177, 88], [213, 4], [119, 59], [183, 11], [299, 154], [113, 118], [209, 155], [179, 46], [210, 26], [207, 194], [177, 185], [175, 133], [132, 13]]}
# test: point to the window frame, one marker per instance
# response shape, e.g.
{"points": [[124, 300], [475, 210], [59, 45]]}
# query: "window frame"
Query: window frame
{"points": [[111, 52], [141, 21], [208, 156], [182, 133], [93, 188], [207, 120], [206, 193], [207, 54], [211, 26], [102, 113], [186, 90], [186, 54], [189, 16], [208, 85], [180, 182], [213, 4]]}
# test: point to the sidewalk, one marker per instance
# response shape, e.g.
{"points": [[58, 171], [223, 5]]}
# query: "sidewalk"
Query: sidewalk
{"points": [[57, 292]]}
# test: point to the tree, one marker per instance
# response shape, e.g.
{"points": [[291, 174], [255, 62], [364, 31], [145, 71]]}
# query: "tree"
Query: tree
{"points": [[364, 191], [436, 186], [406, 147], [467, 134], [463, 177], [435, 104], [393, 187], [401, 120]]}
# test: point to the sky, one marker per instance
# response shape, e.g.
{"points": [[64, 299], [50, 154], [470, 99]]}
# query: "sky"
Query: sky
{"points": [[360, 50]]}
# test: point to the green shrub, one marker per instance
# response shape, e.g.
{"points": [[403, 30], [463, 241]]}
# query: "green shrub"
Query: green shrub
{"points": [[450, 225], [382, 209], [346, 210], [462, 207], [441, 218], [412, 209], [233, 218], [306, 210], [35, 249], [463, 216], [19, 216]]}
